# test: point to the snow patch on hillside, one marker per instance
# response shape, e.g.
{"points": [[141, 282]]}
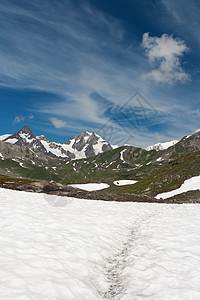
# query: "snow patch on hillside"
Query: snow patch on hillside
{"points": [[191, 184], [124, 182], [159, 159], [121, 155], [90, 186]]}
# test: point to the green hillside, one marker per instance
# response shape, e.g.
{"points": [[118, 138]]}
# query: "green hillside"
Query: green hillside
{"points": [[168, 177]]}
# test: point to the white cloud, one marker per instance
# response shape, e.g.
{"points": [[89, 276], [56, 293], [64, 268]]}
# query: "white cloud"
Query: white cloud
{"points": [[31, 116], [58, 123], [165, 53], [18, 119]]}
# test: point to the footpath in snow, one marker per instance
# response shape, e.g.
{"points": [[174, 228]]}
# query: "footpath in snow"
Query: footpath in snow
{"points": [[69, 249]]}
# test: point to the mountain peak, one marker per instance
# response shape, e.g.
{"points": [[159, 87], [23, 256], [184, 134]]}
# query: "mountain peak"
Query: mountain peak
{"points": [[25, 137], [88, 143], [26, 130]]}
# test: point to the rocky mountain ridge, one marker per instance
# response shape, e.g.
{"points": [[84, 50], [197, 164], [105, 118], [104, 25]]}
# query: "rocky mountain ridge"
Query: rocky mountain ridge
{"points": [[84, 145]]}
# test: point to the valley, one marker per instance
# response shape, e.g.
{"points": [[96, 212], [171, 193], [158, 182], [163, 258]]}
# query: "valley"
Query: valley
{"points": [[155, 170]]}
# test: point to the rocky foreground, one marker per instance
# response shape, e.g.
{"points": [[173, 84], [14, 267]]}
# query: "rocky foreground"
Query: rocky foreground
{"points": [[59, 189]]}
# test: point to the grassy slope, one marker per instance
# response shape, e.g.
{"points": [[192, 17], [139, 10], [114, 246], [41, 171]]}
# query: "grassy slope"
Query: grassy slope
{"points": [[153, 177], [11, 179], [107, 165], [170, 176], [167, 176]]}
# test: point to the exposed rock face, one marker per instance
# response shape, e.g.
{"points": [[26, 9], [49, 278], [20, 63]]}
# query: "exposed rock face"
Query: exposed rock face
{"points": [[55, 149], [186, 145], [13, 151], [25, 137], [90, 143], [83, 145], [191, 141], [79, 141]]}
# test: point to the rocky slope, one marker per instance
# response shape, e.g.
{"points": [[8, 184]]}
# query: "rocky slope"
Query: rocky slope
{"points": [[82, 146]]}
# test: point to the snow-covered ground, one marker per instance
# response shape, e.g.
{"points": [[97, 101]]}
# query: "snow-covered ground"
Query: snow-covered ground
{"points": [[90, 186], [124, 182], [68, 249], [191, 184]]}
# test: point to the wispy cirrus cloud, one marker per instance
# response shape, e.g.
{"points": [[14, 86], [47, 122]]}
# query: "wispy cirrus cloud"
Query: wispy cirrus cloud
{"points": [[165, 53], [184, 18], [71, 50], [62, 53]]}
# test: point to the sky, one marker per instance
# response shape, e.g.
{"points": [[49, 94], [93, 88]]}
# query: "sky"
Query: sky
{"points": [[128, 70]]}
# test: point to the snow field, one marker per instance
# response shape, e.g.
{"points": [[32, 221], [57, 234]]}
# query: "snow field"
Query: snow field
{"points": [[164, 261], [85, 249]]}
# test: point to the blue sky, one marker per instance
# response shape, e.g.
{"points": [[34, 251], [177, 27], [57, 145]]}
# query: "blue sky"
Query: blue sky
{"points": [[128, 70]]}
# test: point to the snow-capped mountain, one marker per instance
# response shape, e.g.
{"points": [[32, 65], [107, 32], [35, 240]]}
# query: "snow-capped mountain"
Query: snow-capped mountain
{"points": [[161, 146], [84, 145], [89, 143], [25, 137]]}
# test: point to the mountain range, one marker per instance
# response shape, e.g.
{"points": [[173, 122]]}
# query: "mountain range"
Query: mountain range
{"points": [[88, 158], [84, 145]]}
